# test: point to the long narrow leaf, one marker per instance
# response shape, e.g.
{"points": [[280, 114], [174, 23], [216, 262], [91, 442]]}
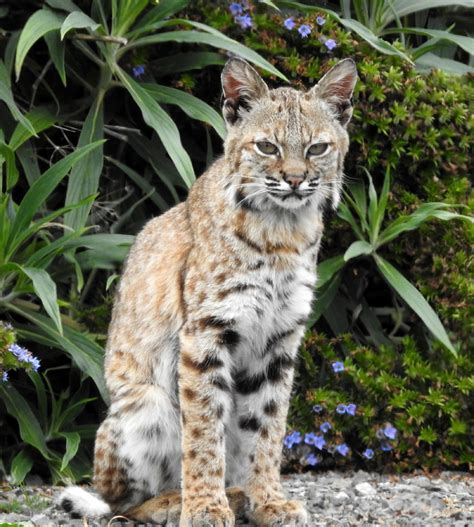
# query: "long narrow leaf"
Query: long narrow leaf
{"points": [[73, 440], [357, 249], [179, 62], [77, 20], [39, 118], [42, 188], [415, 300], [21, 465], [38, 25], [163, 125], [191, 105]]}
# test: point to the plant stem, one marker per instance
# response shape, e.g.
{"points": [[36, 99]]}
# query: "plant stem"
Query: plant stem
{"points": [[101, 38]]}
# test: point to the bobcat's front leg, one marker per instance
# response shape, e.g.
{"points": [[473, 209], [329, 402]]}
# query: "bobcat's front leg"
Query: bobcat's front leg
{"points": [[205, 397], [268, 395]]}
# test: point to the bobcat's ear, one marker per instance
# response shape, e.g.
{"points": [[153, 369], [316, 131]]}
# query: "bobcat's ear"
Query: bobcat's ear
{"points": [[337, 86], [241, 85]]}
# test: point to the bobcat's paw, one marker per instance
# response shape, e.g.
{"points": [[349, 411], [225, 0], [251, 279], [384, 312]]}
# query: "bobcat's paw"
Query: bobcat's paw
{"points": [[280, 512], [210, 514]]}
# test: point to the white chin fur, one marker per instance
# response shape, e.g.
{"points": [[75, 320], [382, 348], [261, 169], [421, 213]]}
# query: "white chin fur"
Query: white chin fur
{"points": [[77, 500]]}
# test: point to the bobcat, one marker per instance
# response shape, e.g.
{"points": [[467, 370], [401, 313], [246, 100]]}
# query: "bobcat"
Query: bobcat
{"points": [[210, 312]]}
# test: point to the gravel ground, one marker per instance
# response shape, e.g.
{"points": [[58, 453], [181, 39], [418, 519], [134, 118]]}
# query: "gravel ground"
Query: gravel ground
{"points": [[332, 498]]}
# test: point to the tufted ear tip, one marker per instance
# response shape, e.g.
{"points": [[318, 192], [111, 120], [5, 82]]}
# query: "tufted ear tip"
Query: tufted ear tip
{"points": [[241, 85], [339, 82]]}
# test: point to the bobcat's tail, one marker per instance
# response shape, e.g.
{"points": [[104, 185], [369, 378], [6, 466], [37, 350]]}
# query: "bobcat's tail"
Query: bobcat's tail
{"points": [[79, 502]]}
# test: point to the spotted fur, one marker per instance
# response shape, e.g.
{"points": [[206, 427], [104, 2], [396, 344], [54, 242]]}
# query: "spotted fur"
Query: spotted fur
{"points": [[211, 309]]}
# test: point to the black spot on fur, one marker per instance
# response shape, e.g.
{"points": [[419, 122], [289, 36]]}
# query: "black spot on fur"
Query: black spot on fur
{"points": [[257, 265], [66, 504], [275, 339], [277, 367], [270, 408], [246, 384], [221, 383], [230, 338], [220, 411], [244, 203], [249, 422], [248, 242], [215, 322]]}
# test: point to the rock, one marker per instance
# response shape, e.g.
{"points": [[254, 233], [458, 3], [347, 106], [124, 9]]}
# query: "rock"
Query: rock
{"points": [[365, 489], [339, 498]]}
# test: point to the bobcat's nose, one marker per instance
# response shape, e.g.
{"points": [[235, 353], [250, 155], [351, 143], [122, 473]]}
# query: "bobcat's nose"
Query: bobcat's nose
{"points": [[293, 180]]}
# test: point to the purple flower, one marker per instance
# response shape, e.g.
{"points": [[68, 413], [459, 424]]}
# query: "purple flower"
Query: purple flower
{"points": [[390, 431], [341, 409], [368, 453], [236, 8], [317, 408], [386, 447], [312, 460], [289, 23], [330, 44], [292, 439], [304, 30], [5, 376], [342, 449], [138, 71], [325, 427], [20, 353], [313, 439], [35, 362], [337, 366], [244, 21], [320, 20], [351, 409]]}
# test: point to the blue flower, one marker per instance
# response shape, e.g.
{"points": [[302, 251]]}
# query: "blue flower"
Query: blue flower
{"points": [[317, 408], [351, 409], [20, 353], [313, 439], [386, 447], [368, 453], [244, 21], [337, 366], [35, 362], [236, 8], [320, 20], [325, 427], [330, 44], [341, 409], [304, 30], [292, 439], [390, 431], [289, 23], [5, 376], [138, 71], [342, 449], [312, 460]]}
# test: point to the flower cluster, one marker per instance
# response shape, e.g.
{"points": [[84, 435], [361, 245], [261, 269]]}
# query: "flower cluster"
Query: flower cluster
{"points": [[241, 17], [331, 441], [13, 356], [305, 30]]}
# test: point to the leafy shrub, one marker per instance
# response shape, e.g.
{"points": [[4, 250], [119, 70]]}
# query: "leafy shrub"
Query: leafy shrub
{"points": [[409, 408]]}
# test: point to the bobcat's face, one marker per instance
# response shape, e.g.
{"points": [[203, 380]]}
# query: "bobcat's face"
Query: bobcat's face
{"points": [[285, 146]]}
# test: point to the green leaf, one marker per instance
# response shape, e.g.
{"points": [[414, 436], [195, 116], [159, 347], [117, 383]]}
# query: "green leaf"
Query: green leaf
{"points": [[6, 96], [415, 300], [21, 466], [429, 61], [466, 43], [30, 430], [164, 9], [179, 62], [382, 205], [328, 268], [38, 25], [412, 221], [212, 38], [191, 105], [163, 125], [57, 50], [45, 288], [39, 118], [11, 169], [345, 214], [86, 354], [85, 174], [356, 249], [77, 20], [73, 440], [324, 298], [401, 8], [42, 188]]}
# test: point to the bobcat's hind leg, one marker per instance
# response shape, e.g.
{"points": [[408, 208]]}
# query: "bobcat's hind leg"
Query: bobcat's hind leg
{"points": [[137, 450], [166, 508]]}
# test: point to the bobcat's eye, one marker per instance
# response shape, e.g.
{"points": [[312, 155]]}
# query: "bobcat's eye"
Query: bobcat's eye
{"points": [[267, 148], [318, 149]]}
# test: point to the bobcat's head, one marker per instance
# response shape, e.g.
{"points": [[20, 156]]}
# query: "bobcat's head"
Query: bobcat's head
{"points": [[286, 147]]}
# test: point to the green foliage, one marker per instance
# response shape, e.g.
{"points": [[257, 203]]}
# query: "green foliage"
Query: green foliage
{"points": [[425, 396]]}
